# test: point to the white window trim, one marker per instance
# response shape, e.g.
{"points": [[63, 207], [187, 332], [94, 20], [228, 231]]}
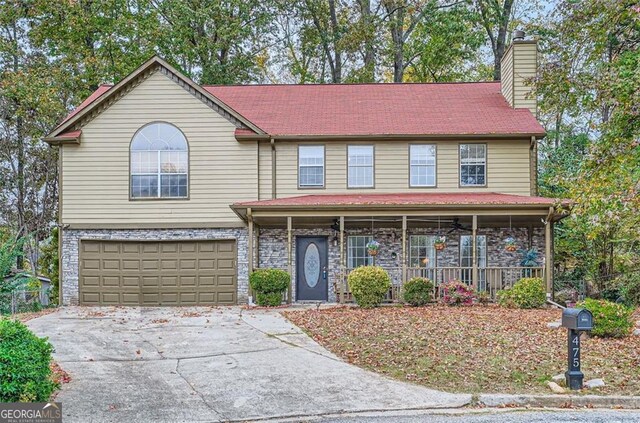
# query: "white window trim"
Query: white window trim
{"points": [[430, 246], [355, 166], [350, 257], [435, 166], [158, 173], [300, 166], [473, 162]]}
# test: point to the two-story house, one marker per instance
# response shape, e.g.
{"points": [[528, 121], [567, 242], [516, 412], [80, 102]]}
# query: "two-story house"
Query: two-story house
{"points": [[171, 193]]}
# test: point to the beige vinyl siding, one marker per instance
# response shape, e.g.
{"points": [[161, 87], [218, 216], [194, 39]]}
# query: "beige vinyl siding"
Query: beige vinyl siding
{"points": [[518, 65], [525, 63], [95, 188], [506, 76], [265, 171], [507, 168]]}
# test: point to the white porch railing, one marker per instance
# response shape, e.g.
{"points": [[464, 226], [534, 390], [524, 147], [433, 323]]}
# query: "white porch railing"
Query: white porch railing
{"points": [[490, 279]]}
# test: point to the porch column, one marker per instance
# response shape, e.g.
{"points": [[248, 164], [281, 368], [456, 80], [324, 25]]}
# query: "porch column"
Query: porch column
{"points": [[474, 257], [250, 240], [342, 272], [404, 249], [548, 255], [289, 257], [250, 246]]}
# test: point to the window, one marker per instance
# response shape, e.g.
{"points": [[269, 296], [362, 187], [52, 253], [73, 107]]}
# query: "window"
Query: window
{"points": [[422, 253], [466, 259], [422, 161], [473, 164], [311, 166], [360, 160], [357, 254], [159, 162]]}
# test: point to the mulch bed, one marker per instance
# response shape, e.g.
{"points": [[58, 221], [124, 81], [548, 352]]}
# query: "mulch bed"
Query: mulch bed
{"points": [[469, 349]]}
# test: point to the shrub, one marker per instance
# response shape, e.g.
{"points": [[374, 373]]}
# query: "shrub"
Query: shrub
{"points": [[483, 297], [566, 295], [24, 364], [610, 320], [526, 293], [418, 291], [369, 285], [457, 293], [269, 285], [630, 289], [612, 294]]}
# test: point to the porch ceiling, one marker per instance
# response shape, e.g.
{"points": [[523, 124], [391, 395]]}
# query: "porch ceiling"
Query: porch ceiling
{"points": [[491, 208], [365, 221]]}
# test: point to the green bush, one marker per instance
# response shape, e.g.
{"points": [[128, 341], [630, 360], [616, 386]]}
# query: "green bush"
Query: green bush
{"points": [[418, 291], [610, 320], [630, 289], [526, 293], [269, 286], [24, 364], [369, 285]]}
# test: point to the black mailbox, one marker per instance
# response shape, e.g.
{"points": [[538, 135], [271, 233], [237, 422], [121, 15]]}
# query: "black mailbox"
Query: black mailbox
{"points": [[577, 319]]}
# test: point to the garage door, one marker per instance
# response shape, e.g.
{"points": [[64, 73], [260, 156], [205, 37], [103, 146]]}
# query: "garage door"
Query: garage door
{"points": [[157, 273]]}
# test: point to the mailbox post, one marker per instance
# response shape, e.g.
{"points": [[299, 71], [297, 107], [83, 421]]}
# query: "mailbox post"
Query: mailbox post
{"points": [[575, 320]]}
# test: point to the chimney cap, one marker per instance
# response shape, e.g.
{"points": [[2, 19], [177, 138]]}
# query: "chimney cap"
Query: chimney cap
{"points": [[518, 35]]}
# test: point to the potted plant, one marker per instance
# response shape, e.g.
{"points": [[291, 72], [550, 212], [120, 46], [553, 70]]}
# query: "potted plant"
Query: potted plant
{"points": [[373, 247], [440, 242], [510, 244]]}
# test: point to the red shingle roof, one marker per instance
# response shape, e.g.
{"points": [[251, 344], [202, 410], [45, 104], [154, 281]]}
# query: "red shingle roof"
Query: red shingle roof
{"points": [[94, 96], [371, 109], [378, 109], [407, 199]]}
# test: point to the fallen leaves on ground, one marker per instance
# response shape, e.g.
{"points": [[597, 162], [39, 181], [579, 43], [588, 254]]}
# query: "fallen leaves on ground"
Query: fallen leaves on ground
{"points": [[469, 349], [58, 374], [25, 317]]}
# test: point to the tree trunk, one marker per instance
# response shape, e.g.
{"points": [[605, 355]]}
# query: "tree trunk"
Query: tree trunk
{"points": [[369, 53], [335, 34]]}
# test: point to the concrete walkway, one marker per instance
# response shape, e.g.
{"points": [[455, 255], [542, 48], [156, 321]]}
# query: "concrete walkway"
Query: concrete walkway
{"points": [[209, 364]]}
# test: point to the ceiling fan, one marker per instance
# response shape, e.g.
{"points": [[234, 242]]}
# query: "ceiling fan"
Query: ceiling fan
{"points": [[457, 226]]}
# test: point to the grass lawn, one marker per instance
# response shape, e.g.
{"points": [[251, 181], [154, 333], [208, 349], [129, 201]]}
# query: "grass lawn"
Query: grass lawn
{"points": [[469, 349]]}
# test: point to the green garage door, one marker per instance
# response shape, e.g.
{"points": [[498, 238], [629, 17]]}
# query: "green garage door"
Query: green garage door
{"points": [[157, 273]]}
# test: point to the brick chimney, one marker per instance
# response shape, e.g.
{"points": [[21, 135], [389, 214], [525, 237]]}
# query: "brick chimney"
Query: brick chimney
{"points": [[518, 66]]}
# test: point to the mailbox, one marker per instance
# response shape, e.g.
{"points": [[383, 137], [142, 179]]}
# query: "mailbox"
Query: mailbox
{"points": [[577, 319]]}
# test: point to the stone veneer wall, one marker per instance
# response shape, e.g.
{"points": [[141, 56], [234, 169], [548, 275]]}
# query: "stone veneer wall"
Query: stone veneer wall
{"points": [[71, 241], [273, 248]]}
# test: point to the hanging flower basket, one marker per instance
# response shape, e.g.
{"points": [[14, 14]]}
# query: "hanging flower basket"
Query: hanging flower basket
{"points": [[440, 243], [510, 244], [373, 247]]}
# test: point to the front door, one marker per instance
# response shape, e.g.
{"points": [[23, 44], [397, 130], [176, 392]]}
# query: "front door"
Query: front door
{"points": [[311, 268]]}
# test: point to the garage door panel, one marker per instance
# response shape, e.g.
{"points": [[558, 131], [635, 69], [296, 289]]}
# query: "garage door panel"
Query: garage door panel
{"points": [[111, 281], [130, 298], [169, 281], [157, 273], [130, 264], [130, 281], [149, 247], [226, 298]]}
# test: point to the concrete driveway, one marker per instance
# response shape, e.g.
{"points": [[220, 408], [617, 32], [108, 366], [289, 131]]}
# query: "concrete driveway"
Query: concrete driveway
{"points": [[209, 364]]}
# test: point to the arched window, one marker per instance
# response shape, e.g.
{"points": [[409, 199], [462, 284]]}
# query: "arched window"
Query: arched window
{"points": [[159, 162]]}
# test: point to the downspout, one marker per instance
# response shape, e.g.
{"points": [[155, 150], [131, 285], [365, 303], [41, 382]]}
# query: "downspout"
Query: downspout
{"points": [[273, 168], [60, 227]]}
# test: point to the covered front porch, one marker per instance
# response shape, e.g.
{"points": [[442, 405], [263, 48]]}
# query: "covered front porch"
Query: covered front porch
{"points": [[487, 246]]}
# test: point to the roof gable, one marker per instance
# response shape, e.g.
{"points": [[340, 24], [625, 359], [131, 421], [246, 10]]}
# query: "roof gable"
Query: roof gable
{"points": [[106, 95]]}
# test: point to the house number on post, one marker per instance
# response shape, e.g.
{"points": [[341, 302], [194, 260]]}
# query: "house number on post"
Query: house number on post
{"points": [[575, 320]]}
